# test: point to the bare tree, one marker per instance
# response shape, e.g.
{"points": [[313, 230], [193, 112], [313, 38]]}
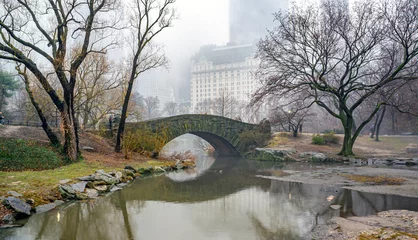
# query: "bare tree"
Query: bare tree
{"points": [[148, 19], [290, 115], [204, 107], [96, 78], [38, 33], [51, 135], [171, 108], [225, 105], [341, 59], [152, 105]]}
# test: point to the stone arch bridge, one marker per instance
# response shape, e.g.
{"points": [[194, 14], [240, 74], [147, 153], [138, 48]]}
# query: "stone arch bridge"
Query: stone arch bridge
{"points": [[224, 134]]}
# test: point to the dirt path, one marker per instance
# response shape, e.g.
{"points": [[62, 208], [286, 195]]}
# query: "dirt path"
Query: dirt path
{"points": [[22, 132]]}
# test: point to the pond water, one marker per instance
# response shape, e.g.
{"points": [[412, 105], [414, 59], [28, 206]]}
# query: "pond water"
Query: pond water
{"points": [[220, 199]]}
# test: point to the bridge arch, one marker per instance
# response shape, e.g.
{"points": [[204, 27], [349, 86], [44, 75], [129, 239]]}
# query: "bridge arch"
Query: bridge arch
{"points": [[224, 134]]}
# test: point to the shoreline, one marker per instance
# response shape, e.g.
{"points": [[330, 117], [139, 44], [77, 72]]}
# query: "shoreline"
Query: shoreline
{"points": [[15, 208], [386, 224], [380, 180]]}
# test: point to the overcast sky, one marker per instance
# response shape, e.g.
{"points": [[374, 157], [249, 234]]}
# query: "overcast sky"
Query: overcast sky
{"points": [[200, 22]]}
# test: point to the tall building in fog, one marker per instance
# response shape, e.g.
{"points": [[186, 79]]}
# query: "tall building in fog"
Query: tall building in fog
{"points": [[250, 19], [153, 83], [218, 70]]}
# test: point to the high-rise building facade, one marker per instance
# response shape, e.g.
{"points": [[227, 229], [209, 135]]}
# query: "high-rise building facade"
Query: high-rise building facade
{"points": [[228, 71], [222, 70]]}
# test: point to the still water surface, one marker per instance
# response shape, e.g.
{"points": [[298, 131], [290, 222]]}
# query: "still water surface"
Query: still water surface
{"points": [[220, 199]]}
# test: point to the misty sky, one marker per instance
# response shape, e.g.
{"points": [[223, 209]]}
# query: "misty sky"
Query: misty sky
{"points": [[200, 22]]}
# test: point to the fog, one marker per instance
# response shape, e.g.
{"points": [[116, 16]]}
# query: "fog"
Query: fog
{"points": [[200, 23], [203, 22]]}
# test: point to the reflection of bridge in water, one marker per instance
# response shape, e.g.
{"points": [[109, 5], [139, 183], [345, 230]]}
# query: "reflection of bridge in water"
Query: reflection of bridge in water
{"points": [[229, 176], [222, 133], [233, 202], [223, 178]]}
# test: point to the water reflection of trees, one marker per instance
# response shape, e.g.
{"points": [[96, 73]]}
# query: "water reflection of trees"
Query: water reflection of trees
{"points": [[106, 218], [278, 233], [232, 204]]}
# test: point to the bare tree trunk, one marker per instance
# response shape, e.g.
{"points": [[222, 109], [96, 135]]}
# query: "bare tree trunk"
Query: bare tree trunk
{"points": [[128, 228], [348, 142], [374, 126], [51, 135], [70, 126], [354, 126], [121, 128], [393, 122], [382, 115]]}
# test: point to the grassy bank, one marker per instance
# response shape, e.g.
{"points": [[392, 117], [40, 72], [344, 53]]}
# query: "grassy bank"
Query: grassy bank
{"points": [[40, 185], [34, 169], [19, 155]]}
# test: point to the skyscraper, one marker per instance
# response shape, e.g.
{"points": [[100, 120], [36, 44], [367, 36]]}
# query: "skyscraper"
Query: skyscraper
{"points": [[250, 19]]}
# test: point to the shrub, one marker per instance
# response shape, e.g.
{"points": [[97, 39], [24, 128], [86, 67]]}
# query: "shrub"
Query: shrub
{"points": [[335, 131], [145, 141], [254, 138], [20, 155], [317, 139], [330, 138]]}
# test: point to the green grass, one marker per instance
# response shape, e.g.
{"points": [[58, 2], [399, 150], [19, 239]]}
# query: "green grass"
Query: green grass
{"points": [[41, 185], [19, 155]]}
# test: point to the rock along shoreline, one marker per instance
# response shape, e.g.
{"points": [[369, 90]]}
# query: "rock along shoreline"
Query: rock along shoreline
{"points": [[101, 183]]}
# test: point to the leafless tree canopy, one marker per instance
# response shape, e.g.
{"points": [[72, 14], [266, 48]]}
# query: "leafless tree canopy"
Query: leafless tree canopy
{"points": [[338, 59], [225, 105], [171, 108], [96, 88], [147, 20], [152, 105], [290, 114], [38, 34]]}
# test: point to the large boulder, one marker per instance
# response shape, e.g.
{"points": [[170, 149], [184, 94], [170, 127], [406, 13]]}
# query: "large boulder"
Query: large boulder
{"points": [[79, 187], [269, 154], [101, 175], [130, 168], [318, 157], [146, 170], [67, 192], [315, 157], [92, 193], [129, 172], [45, 208], [21, 208]]}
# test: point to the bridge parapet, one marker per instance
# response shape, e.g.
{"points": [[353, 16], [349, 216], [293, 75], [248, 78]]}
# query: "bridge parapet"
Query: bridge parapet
{"points": [[222, 133]]}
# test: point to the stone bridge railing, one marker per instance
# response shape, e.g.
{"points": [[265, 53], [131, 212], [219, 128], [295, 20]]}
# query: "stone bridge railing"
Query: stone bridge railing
{"points": [[222, 133]]}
